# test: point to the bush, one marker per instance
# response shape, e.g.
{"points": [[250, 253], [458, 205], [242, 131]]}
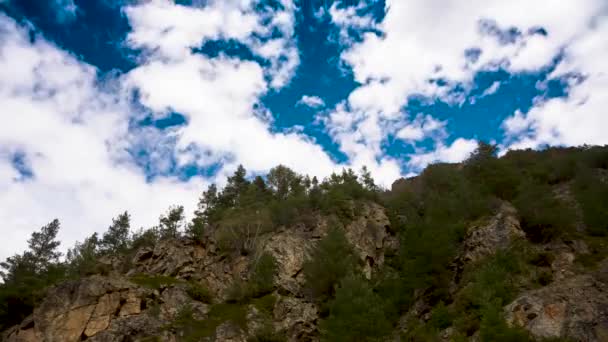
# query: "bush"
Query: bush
{"points": [[592, 195], [262, 278], [543, 217], [198, 292], [332, 258], [356, 314]]}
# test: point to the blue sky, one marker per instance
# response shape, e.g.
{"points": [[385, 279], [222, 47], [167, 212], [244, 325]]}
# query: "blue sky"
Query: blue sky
{"points": [[137, 105]]}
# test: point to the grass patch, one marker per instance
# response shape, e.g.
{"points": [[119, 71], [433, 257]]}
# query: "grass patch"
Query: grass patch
{"points": [[154, 282], [193, 330]]}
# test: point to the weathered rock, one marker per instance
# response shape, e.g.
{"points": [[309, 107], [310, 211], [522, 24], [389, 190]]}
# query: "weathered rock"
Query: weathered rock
{"points": [[369, 235], [290, 252], [497, 233], [24, 332], [297, 318], [229, 332], [575, 308]]}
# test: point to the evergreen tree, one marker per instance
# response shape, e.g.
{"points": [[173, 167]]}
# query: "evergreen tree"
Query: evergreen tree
{"points": [[170, 223], [116, 238], [25, 276], [43, 246], [82, 258], [283, 181], [236, 185], [331, 259], [356, 314]]}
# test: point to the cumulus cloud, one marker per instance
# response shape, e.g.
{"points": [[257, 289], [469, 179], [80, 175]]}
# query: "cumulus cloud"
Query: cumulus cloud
{"points": [[459, 150], [311, 101], [422, 127], [219, 95], [452, 41], [71, 136], [580, 118]]}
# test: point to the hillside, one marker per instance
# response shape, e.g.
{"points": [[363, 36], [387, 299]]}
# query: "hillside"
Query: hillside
{"points": [[492, 249]]}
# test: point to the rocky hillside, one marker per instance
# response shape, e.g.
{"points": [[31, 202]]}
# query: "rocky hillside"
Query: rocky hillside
{"points": [[509, 249]]}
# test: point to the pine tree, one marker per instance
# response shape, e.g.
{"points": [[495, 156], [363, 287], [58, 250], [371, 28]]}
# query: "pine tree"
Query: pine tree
{"points": [[82, 258], [26, 275], [170, 223], [116, 239], [43, 246], [356, 314]]}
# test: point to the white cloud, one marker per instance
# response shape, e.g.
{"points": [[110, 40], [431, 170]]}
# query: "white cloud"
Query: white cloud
{"points": [[73, 136], [218, 95], [423, 126], [311, 101], [459, 150], [170, 31], [424, 40], [580, 118]]}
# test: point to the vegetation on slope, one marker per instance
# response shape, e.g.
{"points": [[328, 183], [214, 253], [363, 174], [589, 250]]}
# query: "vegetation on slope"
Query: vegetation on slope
{"points": [[429, 213]]}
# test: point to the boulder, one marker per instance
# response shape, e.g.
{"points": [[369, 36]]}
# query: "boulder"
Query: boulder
{"points": [[575, 308]]}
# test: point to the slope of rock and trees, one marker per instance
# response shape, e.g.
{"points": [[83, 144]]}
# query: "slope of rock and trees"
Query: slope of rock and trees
{"points": [[492, 249]]}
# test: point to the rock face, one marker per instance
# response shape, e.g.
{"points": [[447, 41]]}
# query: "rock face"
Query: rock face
{"points": [[497, 233], [486, 238], [576, 308], [82, 309], [115, 307]]}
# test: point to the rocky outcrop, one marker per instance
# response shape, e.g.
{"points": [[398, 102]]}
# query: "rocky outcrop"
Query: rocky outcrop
{"points": [[497, 233], [575, 308], [487, 237], [116, 306], [78, 310], [370, 236]]}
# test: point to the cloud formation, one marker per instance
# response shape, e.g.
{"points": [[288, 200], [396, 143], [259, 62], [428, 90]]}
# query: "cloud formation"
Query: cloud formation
{"points": [[311, 101]]}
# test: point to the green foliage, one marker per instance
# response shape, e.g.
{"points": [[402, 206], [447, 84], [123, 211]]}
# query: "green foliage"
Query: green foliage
{"points": [[267, 334], [198, 291], [494, 327], [170, 223], [116, 238], [154, 282], [194, 330], [543, 217], [441, 317], [82, 258], [262, 277], [241, 229], [592, 195], [356, 314], [331, 259], [145, 238], [25, 276]]}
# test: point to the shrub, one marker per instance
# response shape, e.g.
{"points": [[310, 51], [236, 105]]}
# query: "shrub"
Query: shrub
{"points": [[198, 292], [356, 314], [262, 277], [543, 217], [592, 195], [332, 258]]}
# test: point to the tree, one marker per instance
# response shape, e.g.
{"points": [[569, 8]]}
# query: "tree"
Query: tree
{"points": [[283, 181], [332, 258], [356, 314], [43, 246], [236, 185], [171, 222], [264, 271], [116, 239], [368, 180], [483, 152], [82, 258], [195, 229], [25, 276]]}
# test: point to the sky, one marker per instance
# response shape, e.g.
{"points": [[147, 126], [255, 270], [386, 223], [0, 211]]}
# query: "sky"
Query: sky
{"points": [[114, 105]]}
